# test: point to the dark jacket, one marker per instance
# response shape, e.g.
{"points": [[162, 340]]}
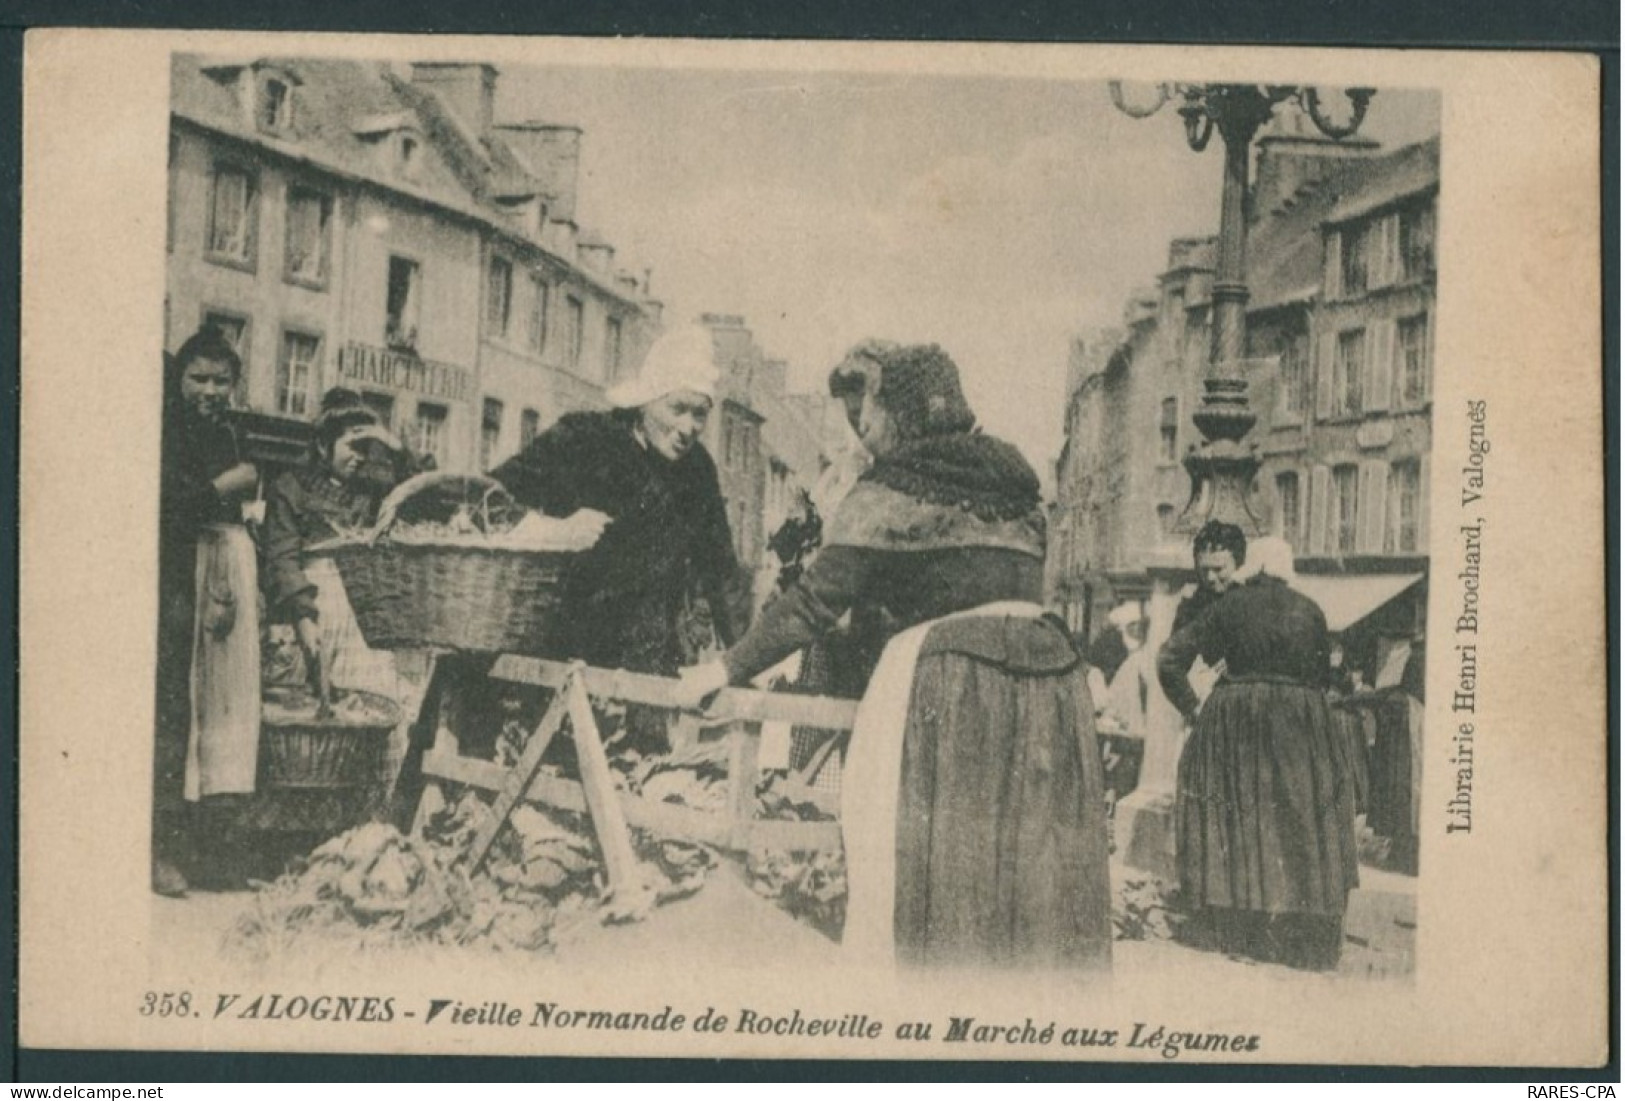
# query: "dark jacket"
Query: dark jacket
{"points": [[195, 452], [1261, 629], [906, 587], [303, 507], [624, 600]]}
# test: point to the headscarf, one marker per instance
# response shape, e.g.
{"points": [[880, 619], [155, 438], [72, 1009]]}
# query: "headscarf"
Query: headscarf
{"points": [[341, 410], [942, 457]]}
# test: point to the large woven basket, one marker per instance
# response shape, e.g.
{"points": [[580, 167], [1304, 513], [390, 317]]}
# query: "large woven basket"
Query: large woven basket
{"points": [[452, 596], [304, 750]]}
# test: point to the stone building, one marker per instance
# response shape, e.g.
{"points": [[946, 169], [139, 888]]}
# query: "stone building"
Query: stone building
{"points": [[359, 224], [1119, 483], [769, 444], [734, 434], [1341, 278]]}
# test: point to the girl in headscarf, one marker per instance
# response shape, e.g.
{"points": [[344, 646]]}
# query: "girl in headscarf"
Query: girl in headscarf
{"points": [[972, 807], [1264, 818], [354, 460], [312, 503], [207, 608]]}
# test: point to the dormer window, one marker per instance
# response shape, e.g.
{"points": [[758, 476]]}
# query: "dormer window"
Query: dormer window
{"points": [[410, 156], [396, 141], [275, 106], [264, 91], [527, 212]]}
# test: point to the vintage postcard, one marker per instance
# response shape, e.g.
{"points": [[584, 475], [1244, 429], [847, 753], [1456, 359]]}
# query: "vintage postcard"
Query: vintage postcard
{"points": [[839, 550]]}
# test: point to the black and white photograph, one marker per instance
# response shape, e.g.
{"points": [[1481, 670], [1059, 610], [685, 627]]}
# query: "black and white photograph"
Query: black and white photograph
{"points": [[623, 525]]}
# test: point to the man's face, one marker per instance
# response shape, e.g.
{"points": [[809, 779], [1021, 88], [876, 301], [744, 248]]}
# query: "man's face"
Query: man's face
{"points": [[1216, 570]]}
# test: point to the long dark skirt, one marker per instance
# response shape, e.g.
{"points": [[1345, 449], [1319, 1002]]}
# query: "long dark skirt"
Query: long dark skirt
{"points": [[1001, 824], [1348, 740], [1265, 818], [177, 614]]}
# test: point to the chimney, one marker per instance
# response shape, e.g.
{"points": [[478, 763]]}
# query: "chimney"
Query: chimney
{"points": [[1294, 158], [552, 154], [468, 88], [772, 377]]}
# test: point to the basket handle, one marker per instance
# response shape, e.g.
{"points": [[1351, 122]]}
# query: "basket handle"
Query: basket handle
{"points": [[474, 486]]}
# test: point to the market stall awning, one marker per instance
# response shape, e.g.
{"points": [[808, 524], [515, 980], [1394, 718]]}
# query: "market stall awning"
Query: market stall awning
{"points": [[1348, 598]]}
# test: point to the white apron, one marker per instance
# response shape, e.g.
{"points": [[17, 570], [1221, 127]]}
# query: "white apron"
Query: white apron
{"points": [[222, 750]]}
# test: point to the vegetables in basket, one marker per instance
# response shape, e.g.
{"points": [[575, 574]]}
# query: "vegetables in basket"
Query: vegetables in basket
{"points": [[454, 563], [453, 508]]}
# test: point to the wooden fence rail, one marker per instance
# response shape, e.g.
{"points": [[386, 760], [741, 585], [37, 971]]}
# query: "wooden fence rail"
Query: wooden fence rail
{"points": [[738, 713]]}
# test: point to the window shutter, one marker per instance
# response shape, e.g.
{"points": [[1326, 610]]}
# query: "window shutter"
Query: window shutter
{"points": [[1320, 494], [1424, 494], [1376, 253], [1379, 366], [1396, 259], [1385, 241], [1427, 360], [1371, 510], [1323, 376], [1333, 277], [1390, 535]]}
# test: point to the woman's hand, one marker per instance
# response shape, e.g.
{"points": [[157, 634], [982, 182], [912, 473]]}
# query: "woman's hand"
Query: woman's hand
{"points": [[699, 682], [239, 481], [316, 671], [584, 527]]}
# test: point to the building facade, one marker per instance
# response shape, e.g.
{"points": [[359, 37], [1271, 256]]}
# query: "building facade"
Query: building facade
{"points": [[769, 444], [359, 224], [1341, 273], [1120, 483]]}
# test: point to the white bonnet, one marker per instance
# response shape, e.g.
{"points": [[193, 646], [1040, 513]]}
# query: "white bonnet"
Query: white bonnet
{"points": [[682, 359]]}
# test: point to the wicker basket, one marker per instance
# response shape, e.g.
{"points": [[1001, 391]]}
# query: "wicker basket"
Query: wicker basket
{"points": [[452, 596], [302, 750]]}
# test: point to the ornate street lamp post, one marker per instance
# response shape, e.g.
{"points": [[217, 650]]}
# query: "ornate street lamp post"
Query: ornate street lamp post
{"points": [[1222, 467]]}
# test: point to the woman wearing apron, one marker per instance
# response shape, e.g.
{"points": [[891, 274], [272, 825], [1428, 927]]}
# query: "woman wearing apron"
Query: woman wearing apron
{"points": [[972, 806], [207, 706]]}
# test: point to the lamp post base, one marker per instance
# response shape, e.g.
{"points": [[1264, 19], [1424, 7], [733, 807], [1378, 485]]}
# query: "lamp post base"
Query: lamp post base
{"points": [[1145, 832]]}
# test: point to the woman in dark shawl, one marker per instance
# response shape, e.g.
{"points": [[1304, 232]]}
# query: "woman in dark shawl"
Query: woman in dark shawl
{"points": [[203, 483], [1264, 815], [972, 802], [638, 485]]}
